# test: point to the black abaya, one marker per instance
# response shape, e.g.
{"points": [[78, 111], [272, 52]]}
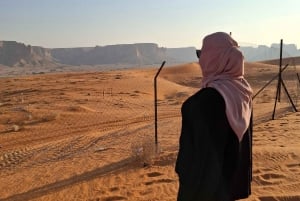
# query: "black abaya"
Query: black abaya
{"points": [[212, 164]]}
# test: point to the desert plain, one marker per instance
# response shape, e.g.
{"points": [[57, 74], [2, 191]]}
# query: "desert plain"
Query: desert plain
{"points": [[90, 135]]}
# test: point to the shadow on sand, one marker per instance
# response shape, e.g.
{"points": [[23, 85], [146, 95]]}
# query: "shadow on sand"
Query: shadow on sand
{"points": [[50, 188]]}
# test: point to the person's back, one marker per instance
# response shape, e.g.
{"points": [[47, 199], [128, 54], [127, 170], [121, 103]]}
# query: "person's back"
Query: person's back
{"points": [[213, 152]]}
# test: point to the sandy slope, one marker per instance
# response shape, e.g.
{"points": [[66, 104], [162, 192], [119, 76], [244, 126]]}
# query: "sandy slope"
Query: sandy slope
{"points": [[90, 135]]}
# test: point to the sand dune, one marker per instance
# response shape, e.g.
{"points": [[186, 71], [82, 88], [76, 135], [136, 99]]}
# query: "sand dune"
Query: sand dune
{"points": [[289, 60], [90, 135]]}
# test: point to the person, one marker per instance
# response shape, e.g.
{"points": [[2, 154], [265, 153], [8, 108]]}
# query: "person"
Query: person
{"points": [[214, 161]]}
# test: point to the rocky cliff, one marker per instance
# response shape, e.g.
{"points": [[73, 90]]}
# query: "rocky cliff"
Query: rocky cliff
{"points": [[18, 54], [137, 54], [262, 52], [182, 55]]}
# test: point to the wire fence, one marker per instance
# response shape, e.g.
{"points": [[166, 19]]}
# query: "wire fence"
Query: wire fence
{"points": [[288, 90]]}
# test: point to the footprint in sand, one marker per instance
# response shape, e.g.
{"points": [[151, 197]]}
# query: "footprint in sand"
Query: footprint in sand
{"points": [[14, 158], [279, 198], [269, 179], [113, 198], [157, 181], [154, 174]]}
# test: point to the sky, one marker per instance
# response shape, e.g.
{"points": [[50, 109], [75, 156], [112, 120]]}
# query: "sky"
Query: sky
{"points": [[168, 23]]}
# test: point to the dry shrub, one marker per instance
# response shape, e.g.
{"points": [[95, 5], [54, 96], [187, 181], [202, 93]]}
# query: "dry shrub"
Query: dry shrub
{"points": [[144, 150], [12, 128], [43, 117], [74, 108], [49, 117], [16, 128]]}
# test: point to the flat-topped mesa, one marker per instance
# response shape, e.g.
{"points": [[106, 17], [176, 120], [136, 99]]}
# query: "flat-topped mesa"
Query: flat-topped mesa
{"points": [[13, 53], [137, 54], [17, 54]]}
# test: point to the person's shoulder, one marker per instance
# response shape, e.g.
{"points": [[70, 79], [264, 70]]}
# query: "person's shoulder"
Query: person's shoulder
{"points": [[204, 98], [206, 94], [207, 91]]}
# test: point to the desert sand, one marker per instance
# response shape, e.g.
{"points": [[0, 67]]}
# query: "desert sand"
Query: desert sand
{"points": [[90, 135]]}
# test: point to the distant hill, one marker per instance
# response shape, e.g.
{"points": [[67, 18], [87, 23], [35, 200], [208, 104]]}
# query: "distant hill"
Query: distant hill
{"points": [[262, 52], [18, 54], [292, 61], [137, 54], [13, 53], [181, 55]]}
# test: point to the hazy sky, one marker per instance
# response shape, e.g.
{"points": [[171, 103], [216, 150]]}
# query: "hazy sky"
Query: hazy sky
{"points": [[169, 23]]}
